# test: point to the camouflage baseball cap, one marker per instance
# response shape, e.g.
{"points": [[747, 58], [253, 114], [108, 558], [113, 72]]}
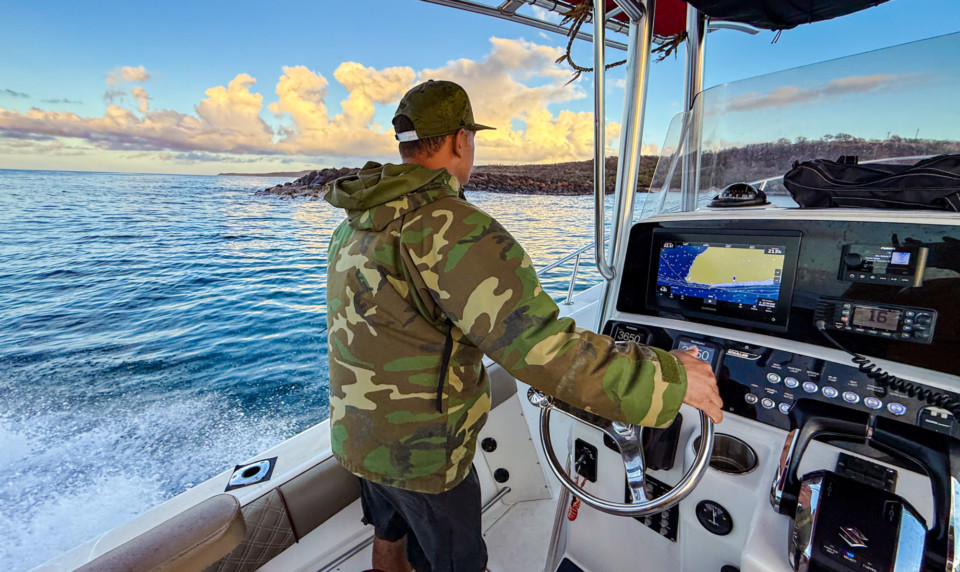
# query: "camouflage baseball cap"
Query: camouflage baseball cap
{"points": [[436, 108]]}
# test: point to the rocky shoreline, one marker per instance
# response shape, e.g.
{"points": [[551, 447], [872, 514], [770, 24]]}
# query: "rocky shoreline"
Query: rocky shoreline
{"points": [[311, 186], [559, 179]]}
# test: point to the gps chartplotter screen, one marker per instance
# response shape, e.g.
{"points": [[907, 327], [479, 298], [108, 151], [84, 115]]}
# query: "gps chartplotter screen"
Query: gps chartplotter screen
{"points": [[740, 278]]}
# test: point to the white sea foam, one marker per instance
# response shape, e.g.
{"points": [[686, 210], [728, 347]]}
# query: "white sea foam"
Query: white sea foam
{"points": [[15, 447], [76, 475]]}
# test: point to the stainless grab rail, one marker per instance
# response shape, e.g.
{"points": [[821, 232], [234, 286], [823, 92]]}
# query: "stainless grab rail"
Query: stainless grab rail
{"points": [[555, 6], [599, 137], [576, 268], [353, 550], [638, 67]]}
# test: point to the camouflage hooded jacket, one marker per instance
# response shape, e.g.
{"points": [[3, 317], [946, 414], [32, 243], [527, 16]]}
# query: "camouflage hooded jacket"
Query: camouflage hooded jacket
{"points": [[420, 285]]}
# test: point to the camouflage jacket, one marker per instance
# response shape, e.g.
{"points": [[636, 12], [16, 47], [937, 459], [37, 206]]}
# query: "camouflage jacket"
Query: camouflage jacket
{"points": [[420, 285]]}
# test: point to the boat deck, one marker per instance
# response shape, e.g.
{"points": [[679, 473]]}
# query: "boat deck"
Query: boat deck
{"points": [[517, 537]]}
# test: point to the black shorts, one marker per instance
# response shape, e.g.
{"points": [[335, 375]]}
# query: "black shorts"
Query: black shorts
{"points": [[443, 530]]}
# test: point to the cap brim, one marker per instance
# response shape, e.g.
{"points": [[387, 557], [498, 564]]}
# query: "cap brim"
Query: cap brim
{"points": [[477, 127]]}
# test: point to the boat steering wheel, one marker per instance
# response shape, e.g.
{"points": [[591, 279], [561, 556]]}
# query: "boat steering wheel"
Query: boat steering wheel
{"points": [[628, 439]]}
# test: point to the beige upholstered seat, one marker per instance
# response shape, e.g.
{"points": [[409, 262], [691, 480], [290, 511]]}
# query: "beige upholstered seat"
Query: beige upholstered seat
{"points": [[190, 541]]}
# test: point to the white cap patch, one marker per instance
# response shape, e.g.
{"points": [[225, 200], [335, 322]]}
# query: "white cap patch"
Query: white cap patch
{"points": [[407, 136]]}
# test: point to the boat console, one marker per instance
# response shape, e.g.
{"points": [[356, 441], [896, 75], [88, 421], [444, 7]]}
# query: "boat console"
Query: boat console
{"points": [[831, 332]]}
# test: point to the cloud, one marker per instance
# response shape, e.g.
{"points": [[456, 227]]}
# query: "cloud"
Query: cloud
{"points": [[25, 136], [302, 98], [113, 95], [547, 15], [227, 120], [62, 101], [141, 95], [515, 87], [500, 92], [35, 146], [127, 73], [12, 93], [793, 95], [862, 83]]}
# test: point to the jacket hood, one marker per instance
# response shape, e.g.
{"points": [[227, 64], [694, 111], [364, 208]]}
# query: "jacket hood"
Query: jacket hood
{"points": [[379, 194]]}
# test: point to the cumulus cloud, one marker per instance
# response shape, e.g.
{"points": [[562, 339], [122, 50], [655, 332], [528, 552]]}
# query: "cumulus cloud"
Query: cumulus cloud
{"points": [[143, 97], [127, 73], [227, 120], [12, 93], [302, 97], [516, 87], [500, 92], [793, 95]]}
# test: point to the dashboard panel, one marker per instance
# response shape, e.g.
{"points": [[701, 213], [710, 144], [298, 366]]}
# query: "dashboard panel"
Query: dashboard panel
{"points": [[763, 384], [878, 288]]}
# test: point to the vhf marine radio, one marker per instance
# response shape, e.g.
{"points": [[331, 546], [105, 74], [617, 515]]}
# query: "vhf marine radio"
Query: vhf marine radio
{"points": [[890, 321]]}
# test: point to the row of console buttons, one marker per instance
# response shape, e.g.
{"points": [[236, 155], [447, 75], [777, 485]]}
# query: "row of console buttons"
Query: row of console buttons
{"points": [[850, 397], [879, 277], [906, 334], [792, 382]]}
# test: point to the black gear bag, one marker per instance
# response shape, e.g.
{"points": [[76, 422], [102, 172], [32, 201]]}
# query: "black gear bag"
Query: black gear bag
{"points": [[931, 184]]}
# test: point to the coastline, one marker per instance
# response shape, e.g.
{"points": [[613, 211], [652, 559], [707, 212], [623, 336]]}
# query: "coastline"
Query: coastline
{"points": [[557, 179]]}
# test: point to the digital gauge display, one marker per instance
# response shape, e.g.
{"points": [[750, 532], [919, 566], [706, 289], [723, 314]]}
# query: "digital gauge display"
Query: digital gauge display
{"points": [[704, 353], [868, 317]]}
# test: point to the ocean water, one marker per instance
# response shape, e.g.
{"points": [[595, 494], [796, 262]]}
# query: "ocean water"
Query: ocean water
{"points": [[158, 329]]}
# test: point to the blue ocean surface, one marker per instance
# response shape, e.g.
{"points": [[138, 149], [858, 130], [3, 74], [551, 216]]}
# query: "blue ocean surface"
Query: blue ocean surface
{"points": [[156, 330]]}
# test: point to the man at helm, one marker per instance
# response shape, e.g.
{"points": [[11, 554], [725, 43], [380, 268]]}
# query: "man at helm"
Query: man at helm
{"points": [[420, 286]]}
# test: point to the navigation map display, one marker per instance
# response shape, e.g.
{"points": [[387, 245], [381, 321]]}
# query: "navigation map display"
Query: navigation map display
{"points": [[745, 279]]}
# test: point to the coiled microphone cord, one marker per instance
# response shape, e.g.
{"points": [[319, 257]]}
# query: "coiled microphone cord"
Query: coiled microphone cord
{"points": [[888, 380]]}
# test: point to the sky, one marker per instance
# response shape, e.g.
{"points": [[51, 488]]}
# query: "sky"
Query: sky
{"points": [[209, 87]]}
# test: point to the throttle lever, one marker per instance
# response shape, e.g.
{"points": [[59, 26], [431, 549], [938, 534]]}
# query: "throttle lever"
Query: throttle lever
{"points": [[939, 455], [809, 420]]}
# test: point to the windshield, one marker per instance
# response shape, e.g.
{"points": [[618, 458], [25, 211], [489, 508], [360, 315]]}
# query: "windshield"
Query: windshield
{"points": [[896, 104]]}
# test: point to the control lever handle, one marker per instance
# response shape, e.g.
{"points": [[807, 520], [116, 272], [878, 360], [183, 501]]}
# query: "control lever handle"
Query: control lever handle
{"points": [[939, 455], [809, 420]]}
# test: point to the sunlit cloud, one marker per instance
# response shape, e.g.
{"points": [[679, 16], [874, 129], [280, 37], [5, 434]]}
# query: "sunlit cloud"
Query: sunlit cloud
{"points": [[127, 73], [143, 97], [302, 97], [792, 95], [516, 87], [227, 120]]}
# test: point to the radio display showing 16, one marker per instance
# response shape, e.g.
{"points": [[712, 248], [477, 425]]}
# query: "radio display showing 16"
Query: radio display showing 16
{"points": [[876, 318]]}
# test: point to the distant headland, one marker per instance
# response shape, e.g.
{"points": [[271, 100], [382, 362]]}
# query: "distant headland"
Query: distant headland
{"points": [[561, 179]]}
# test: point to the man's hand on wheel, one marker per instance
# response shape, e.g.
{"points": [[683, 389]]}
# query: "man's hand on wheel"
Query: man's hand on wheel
{"points": [[702, 391]]}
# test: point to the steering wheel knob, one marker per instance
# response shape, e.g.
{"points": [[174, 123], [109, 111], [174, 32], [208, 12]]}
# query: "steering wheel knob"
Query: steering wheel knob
{"points": [[538, 398]]}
